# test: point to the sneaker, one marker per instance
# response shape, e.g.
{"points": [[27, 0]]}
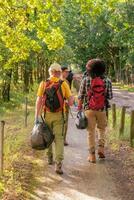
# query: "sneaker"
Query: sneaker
{"points": [[101, 152], [58, 168], [50, 160], [91, 158]]}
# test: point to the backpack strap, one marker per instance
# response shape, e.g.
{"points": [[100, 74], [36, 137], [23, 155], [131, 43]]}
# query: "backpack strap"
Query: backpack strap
{"points": [[48, 82], [60, 83]]}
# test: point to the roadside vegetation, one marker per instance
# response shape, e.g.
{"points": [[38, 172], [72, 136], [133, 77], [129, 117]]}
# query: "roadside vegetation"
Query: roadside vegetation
{"points": [[114, 137], [129, 88], [18, 155], [120, 150]]}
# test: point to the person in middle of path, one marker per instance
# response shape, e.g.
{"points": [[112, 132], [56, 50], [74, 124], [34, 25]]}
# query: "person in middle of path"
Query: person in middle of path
{"points": [[70, 78], [50, 96], [95, 90], [64, 75]]}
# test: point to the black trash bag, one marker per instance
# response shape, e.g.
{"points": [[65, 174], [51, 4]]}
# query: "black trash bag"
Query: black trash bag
{"points": [[81, 120], [42, 136]]}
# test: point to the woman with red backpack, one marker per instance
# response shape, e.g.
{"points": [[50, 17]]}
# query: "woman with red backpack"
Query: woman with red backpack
{"points": [[95, 91]]}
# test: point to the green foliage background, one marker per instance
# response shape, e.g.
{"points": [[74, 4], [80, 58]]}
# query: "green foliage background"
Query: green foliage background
{"points": [[36, 33]]}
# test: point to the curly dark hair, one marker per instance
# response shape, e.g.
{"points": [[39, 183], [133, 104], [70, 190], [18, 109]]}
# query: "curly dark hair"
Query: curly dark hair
{"points": [[97, 67]]}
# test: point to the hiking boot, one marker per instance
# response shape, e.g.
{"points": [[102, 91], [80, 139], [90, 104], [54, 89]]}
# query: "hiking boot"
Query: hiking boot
{"points": [[101, 152], [65, 143], [92, 158], [50, 160], [58, 168]]}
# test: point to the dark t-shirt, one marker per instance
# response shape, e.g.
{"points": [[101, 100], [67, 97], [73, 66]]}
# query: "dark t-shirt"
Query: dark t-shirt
{"points": [[70, 78]]}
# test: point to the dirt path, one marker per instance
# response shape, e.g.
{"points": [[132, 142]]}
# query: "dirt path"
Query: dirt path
{"points": [[105, 180], [81, 180], [123, 98]]}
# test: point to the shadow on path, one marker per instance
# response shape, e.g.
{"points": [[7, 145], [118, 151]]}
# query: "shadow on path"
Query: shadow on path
{"points": [[81, 180]]}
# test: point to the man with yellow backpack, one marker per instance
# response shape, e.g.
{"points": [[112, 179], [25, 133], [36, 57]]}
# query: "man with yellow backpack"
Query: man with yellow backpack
{"points": [[50, 97]]}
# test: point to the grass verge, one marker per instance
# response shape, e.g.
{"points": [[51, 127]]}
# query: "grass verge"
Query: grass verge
{"points": [[17, 179], [114, 137], [129, 88]]}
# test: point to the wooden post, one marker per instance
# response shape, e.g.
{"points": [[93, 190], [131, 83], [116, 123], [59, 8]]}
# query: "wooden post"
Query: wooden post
{"points": [[107, 114], [122, 122], [1, 146], [26, 103], [132, 129], [114, 114]]}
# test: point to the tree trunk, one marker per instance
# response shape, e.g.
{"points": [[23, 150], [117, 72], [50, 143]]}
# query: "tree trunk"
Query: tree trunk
{"points": [[114, 50], [6, 86], [46, 70], [26, 77], [15, 75], [31, 76]]}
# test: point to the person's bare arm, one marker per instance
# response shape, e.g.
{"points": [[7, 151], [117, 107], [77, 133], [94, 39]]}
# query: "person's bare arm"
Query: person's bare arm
{"points": [[38, 106], [71, 100]]}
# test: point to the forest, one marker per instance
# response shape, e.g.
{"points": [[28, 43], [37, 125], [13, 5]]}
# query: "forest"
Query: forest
{"points": [[33, 35], [36, 33]]}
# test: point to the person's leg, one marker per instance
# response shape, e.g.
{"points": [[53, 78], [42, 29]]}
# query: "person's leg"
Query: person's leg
{"points": [[59, 141], [49, 152], [90, 114], [50, 155], [66, 114], [101, 125]]}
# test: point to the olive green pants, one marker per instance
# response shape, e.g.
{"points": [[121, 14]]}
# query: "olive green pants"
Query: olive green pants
{"points": [[66, 116], [56, 122], [99, 119]]}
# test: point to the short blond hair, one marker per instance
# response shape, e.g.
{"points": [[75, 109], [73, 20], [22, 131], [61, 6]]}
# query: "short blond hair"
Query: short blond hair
{"points": [[54, 67]]}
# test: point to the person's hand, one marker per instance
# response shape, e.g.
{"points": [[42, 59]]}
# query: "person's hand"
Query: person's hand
{"points": [[36, 120], [79, 105]]}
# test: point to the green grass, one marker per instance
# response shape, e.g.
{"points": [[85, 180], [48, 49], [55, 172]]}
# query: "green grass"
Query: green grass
{"points": [[16, 147], [114, 136], [17, 99], [129, 88], [16, 143]]}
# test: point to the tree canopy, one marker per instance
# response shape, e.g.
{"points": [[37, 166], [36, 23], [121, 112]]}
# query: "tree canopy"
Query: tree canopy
{"points": [[36, 33]]}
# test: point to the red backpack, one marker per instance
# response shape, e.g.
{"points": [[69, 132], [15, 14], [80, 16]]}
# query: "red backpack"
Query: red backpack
{"points": [[97, 93], [53, 98]]}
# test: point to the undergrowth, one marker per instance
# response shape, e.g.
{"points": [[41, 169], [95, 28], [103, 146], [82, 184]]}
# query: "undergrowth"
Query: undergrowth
{"points": [[18, 163]]}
